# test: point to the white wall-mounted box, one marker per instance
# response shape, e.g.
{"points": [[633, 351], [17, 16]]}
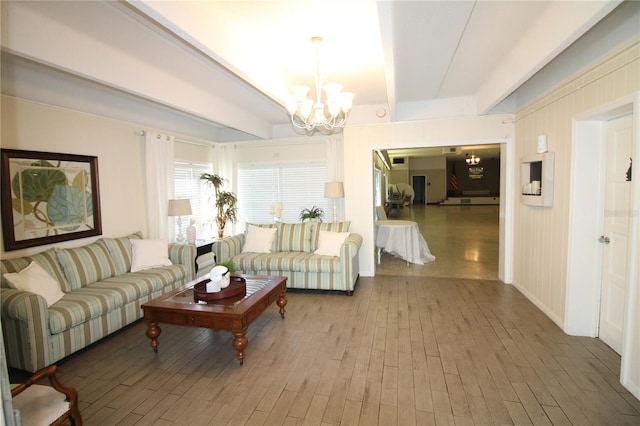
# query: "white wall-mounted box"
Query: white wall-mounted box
{"points": [[536, 184]]}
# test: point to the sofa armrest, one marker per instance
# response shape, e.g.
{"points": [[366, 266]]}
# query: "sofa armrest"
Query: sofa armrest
{"points": [[184, 254], [25, 323], [228, 247], [20, 305], [350, 261], [350, 247]]}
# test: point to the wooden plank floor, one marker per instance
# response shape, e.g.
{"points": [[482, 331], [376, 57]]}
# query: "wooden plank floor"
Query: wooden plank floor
{"points": [[412, 346], [401, 351]]}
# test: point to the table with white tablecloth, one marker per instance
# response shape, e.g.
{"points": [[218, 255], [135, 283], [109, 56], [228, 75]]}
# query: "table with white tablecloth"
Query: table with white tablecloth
{"points": [[402, 238]]}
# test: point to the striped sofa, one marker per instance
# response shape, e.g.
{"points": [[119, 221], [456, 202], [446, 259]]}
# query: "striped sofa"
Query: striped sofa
{"points": [[292, 256], [101, 296]]}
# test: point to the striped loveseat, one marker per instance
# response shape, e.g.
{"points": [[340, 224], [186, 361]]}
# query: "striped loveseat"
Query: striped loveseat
{"points": [[292, 255], [101, 295]]}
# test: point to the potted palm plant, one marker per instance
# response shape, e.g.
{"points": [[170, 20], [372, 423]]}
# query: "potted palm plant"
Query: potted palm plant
{"points": [[226, 202], [314, 213]]}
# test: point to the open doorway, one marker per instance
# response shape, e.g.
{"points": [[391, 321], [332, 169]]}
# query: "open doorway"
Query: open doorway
{"points": [[419, 185], [465, 238]]}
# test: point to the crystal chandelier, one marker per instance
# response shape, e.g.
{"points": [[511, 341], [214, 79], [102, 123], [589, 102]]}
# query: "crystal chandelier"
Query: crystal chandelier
{"points": [[473, 160], [328, 117]]}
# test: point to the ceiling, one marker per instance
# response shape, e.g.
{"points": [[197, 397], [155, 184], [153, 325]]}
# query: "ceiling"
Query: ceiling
{"points": [[220, 70]]}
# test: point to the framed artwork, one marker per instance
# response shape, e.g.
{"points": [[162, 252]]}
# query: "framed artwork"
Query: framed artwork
{"points": [[48, 198]]}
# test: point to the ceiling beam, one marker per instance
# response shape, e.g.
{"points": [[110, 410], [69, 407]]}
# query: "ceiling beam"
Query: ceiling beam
{"points": [[560, 25], [98, 42]]}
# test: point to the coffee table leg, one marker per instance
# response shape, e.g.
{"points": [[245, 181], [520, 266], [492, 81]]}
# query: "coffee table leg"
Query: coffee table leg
{"points": [[240, 343], [282, 302], [152, 333]]}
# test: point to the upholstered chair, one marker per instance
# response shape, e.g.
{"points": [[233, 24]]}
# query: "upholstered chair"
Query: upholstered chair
{"points": [[36, 404]]}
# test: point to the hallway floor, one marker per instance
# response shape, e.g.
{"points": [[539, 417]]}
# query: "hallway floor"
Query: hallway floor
{"points": [[464, 240]]}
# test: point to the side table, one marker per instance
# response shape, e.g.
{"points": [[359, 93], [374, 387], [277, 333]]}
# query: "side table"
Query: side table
{"points": [[203, 247]]}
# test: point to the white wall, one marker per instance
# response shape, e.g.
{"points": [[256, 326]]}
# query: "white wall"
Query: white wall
{"points": [[435, 168], [541, 235], [361, 141], [282, 150], [194, 151], [118, 145]]}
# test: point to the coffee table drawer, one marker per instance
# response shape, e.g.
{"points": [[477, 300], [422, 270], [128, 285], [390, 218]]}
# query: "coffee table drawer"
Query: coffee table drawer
{"points": [[181, 318]]}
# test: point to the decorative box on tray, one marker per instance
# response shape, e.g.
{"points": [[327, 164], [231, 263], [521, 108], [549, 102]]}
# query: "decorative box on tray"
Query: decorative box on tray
{"points": [[237, 287]]}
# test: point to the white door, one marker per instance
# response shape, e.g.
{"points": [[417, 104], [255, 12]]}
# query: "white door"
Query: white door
{"points": [[615, 236]]}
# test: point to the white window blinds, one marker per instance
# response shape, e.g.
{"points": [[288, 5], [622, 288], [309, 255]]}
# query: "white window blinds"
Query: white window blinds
{"points": [[297, 186], [187, 184]]}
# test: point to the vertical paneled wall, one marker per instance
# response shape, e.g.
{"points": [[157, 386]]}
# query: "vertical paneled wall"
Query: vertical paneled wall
{"points": [[541, 233]]}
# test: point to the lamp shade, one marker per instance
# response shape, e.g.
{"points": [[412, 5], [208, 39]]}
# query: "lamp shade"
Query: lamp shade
{"points": [[180, 207], [333, 190]]}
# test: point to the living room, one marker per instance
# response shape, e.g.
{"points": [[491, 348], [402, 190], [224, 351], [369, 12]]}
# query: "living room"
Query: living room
{"points": [[542, 253]]}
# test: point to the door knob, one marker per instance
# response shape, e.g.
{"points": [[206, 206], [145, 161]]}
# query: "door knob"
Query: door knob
{"points": [[604, 239]]}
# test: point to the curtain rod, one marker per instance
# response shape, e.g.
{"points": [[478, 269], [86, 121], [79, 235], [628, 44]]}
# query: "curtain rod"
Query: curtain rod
{"points": [[207, 144]]}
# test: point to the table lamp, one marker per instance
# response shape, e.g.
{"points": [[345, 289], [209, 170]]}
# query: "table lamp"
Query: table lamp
{"points": [[180, 207], [334, 190]]}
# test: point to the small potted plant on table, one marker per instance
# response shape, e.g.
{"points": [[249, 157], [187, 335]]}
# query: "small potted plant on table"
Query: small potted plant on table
{"points": [[314, 213]]}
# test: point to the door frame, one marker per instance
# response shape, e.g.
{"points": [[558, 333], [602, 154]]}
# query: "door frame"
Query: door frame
{"points": [[586, 221], [507, 199]]}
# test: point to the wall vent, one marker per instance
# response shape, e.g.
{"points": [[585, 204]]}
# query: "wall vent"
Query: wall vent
{"points": [[397, 160], [451, 150]]}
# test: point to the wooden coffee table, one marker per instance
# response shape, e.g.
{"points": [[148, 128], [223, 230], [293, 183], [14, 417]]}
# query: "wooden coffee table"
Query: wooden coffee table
{"points": [[233, 314]]}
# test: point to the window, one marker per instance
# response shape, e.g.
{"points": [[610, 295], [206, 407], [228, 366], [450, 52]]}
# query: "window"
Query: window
{"points": [[187, 184], [297, 186]]}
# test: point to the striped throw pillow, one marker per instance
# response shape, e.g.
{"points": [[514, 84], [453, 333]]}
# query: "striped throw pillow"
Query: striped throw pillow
{"points": [[85, 265], [120, 251], [49, 262], [8, 266], [294, 236], [46, 259]]}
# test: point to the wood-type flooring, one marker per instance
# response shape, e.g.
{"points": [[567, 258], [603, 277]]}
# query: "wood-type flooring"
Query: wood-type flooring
{"points": [[406, 349]]}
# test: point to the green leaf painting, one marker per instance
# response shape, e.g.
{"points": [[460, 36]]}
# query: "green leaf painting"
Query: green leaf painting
{"points": [[37, 184], [50, 198], [69, 206]]}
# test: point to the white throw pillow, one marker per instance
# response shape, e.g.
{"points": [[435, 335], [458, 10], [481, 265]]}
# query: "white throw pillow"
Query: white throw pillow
{"points": [[35, 279], [329, 243], [149, 254], [258, 239]]}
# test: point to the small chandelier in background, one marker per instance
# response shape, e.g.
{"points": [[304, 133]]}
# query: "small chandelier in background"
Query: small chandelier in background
{"points": [[328, 117], [473, 160]]}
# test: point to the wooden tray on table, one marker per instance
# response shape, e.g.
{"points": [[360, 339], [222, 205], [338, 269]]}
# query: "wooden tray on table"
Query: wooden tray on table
{"points": [[237, 288]]}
